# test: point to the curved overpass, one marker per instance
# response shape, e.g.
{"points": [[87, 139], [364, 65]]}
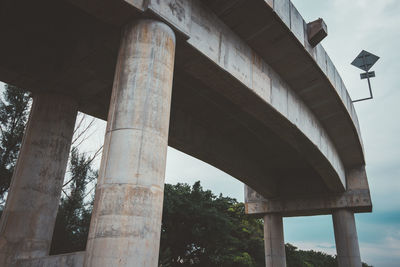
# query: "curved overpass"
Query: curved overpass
{"points": [[250, 95]]}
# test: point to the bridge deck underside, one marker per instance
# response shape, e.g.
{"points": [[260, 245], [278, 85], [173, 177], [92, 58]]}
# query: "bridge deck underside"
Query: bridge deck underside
{"points": [[275, 44], [58, 47]]}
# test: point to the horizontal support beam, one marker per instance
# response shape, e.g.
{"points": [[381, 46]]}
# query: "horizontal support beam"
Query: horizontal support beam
{"points": [[357, 201], [357, 198]]}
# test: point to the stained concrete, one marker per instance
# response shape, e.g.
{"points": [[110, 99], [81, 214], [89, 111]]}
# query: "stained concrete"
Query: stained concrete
{"points": [[74, 259], [344, 225], [126, 220], [28, 219], [356, 198], [274, 243], [250, 53], [251, 96], [276, 41]]}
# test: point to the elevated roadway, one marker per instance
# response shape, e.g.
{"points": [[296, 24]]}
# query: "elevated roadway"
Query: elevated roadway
{"points": [[250, 96]]}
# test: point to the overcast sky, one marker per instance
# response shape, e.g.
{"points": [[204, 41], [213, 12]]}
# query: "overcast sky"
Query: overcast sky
{"points": [[352, 25], [374, 26]]}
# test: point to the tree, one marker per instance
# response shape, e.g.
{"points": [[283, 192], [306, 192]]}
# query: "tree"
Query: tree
{"points": [[73, 217], [300, 258], [310, 258], [201, 229], [14, 111]]}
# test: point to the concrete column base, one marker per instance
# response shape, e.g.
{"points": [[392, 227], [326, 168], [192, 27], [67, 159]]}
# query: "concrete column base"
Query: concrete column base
{"points": [[348, 252], [74, 259], [275, 255], [28, 219]]}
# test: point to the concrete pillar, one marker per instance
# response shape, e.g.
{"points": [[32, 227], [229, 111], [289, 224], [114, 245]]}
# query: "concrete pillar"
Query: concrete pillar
{"points": [[126, 220], [28, 219], [348, 252], [275, 255]]}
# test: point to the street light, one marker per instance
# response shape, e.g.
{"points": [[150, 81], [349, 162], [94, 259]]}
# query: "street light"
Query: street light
{"points": [[365, 60]]}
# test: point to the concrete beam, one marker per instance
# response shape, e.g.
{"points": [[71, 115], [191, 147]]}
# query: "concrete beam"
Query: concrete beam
{"points": [[253, 53], [275, 255], [278, 40], [126, 220], [28, 219], [176, 13], [357, 201], [240, 63], [356, 198], [348, 252]]}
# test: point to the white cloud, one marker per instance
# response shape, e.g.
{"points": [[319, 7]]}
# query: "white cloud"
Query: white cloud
{"points": [[183, 168], [326, 247], [386, 253]]}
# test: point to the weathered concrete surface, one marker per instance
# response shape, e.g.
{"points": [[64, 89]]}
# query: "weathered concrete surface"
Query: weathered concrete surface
{"points": [[274, 32], [251, 96], [126, 220], [356, 198], [28, 219], [280, 102], [237, 59], [64, 260], [348, 252], [273, 241]]}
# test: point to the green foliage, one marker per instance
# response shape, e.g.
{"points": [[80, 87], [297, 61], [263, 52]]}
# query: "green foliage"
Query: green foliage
{"points": [[14, 111], [73, 217], [300, 258], [201, 229]]}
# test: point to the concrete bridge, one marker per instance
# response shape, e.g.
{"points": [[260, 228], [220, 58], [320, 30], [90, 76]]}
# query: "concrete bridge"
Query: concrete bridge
{"points": [[243, 85]]}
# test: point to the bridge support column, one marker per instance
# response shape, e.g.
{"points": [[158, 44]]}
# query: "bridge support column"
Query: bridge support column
{"points": [[126, 221], [275, 255], [28, 219], [348, 252]]}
